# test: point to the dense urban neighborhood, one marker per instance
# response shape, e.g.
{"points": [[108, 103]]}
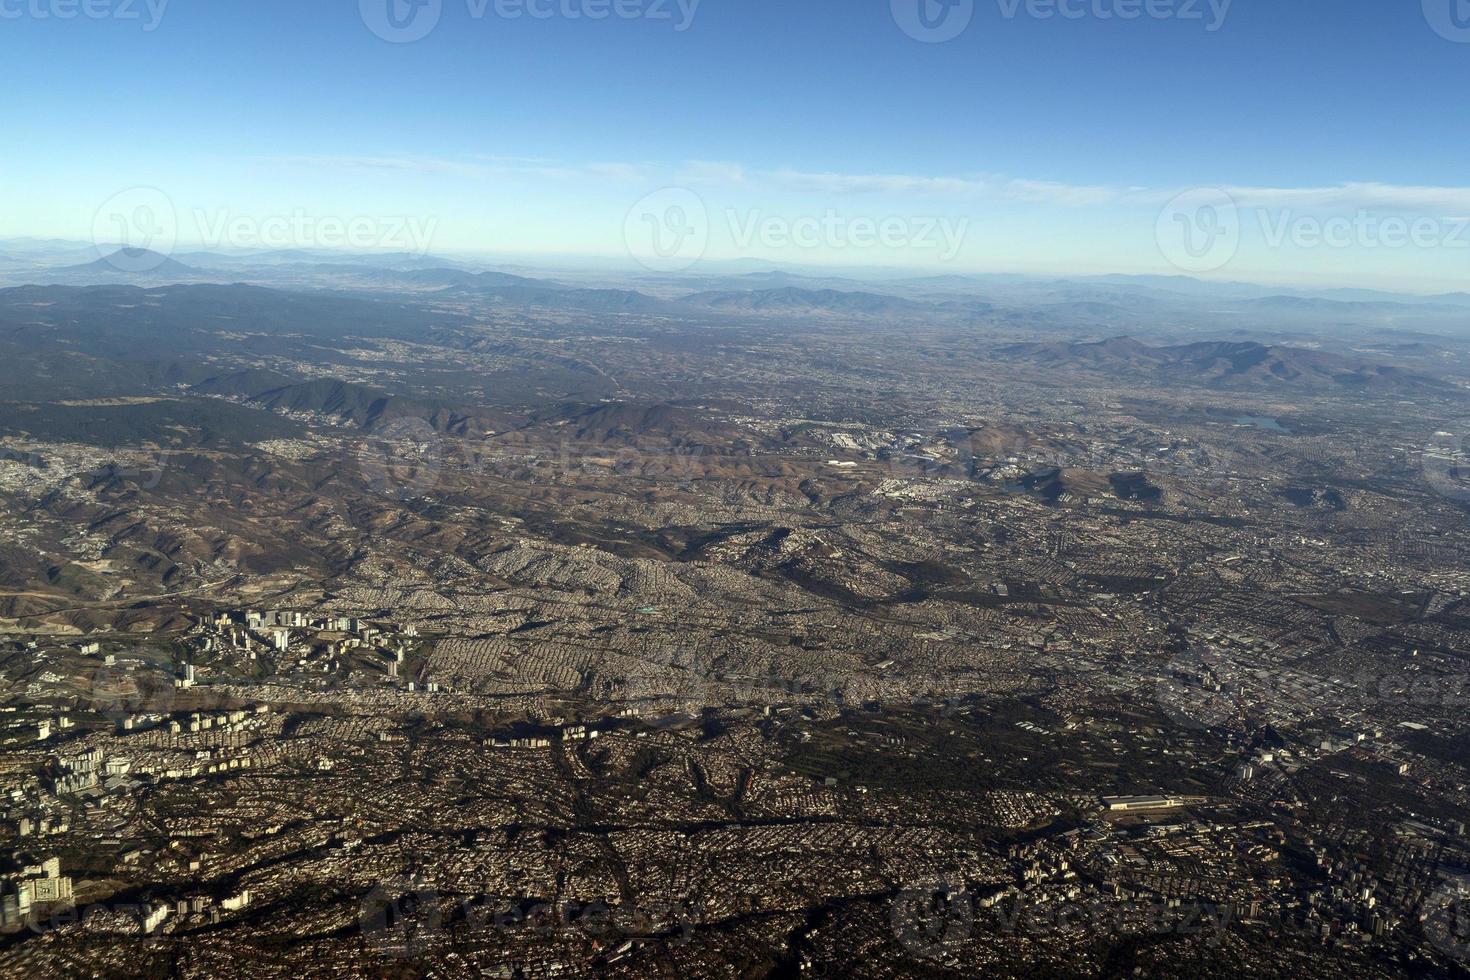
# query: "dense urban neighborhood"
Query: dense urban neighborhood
{"points": [[408, 631]]}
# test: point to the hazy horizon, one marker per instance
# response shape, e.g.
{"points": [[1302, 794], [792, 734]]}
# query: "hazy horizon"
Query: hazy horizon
{"points": [[1052, 137]]}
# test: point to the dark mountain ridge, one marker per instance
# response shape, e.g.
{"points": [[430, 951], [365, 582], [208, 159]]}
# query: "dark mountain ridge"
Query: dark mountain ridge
{"points": [[1223, 363]]}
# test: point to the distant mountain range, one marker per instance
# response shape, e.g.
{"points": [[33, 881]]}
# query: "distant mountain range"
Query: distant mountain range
{"points": [[393, 261], [130, 263], [793, 299], [349, 402], [355, 404], [1165, 309], [1220, 363], [749, 288], [535, 293]]}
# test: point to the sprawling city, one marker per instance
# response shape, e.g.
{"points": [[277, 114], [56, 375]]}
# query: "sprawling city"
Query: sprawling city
{"points": [[388, 608]]}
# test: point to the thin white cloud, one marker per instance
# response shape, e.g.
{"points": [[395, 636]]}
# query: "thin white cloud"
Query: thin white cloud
{"points": [[838, 183], [400, 164], [1347, 196], [1050, 192], [1359, 195], [513, 161], [1367, 196], [617, 171], [479, 167], [711, 172], [978, 187]]}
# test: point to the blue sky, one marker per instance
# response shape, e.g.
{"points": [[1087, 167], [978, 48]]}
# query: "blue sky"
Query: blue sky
{"points": [[1042, 143]]}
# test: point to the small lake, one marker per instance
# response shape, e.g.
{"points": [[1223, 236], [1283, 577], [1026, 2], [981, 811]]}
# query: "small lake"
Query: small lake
{"points": [[1261, 422]]}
